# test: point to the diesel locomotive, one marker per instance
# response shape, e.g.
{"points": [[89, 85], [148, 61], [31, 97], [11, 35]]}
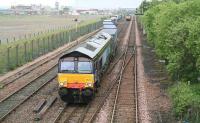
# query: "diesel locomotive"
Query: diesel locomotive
{"points": [[81, 69], [128, 18]]}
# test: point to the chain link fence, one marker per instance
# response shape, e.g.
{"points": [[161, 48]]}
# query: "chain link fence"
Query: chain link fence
{"points": [[15, 55]]}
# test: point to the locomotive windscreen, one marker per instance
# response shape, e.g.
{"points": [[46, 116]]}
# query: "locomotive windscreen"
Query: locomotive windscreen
{"points": [[67, 66], [77, 65], [84, 67]]}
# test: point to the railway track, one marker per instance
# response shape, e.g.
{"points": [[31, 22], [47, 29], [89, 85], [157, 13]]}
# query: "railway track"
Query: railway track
{"points": [[67, 113], [14, 100], [10, 79], [125, 103], [127, 60], [72, 116], [79, 116]]}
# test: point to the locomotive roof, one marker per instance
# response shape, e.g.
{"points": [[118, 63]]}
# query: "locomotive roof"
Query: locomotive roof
{"points": [[92, 47]]}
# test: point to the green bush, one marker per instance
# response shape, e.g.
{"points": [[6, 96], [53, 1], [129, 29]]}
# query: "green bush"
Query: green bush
{"points": [[186, 101], [174, 31], [182, 97], [173, 28]]}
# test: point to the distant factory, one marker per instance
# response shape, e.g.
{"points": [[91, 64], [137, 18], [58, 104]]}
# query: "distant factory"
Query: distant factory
{"points": [[34, 9], [26, 10]]}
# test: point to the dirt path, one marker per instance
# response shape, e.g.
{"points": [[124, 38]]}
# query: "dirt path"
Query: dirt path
{"points": [[154, 103], [144, 115]]}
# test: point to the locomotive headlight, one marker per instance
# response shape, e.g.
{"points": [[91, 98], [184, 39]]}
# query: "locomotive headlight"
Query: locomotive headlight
{"points": [[89, 84], [63, 83]]}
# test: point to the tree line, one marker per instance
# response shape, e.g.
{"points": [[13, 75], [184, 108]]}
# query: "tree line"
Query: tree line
{"points": [[173, 29]]}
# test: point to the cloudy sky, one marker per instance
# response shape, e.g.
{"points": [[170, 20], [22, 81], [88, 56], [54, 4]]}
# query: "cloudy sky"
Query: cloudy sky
{"points": [[76, 3]]}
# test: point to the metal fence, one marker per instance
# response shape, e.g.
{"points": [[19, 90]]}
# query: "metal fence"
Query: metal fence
{"points": [[19, 54]]}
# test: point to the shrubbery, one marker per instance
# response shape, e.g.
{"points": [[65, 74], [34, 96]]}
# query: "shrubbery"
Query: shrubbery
{"points": [[173, 28], [186, 100], [174, 31]]}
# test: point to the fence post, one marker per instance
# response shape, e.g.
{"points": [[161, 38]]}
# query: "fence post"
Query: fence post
{"points": [[17, 55], [8, 58], [25, 51], [53, 42], [38, 45], [56, 42], [63, 40], [69, 36], [51, 45], [59, 38], [84, 30], [48, 43], [7, 40], [79, 31], [32, 51], [88, 28], [0, 42], [43, 41]]}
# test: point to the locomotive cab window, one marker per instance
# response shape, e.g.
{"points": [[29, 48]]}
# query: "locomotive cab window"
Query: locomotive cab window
{"points": [[84, 67], [67, 66]]}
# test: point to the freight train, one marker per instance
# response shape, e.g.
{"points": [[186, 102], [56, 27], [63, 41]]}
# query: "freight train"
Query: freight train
{"points": [[81, 69]]}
